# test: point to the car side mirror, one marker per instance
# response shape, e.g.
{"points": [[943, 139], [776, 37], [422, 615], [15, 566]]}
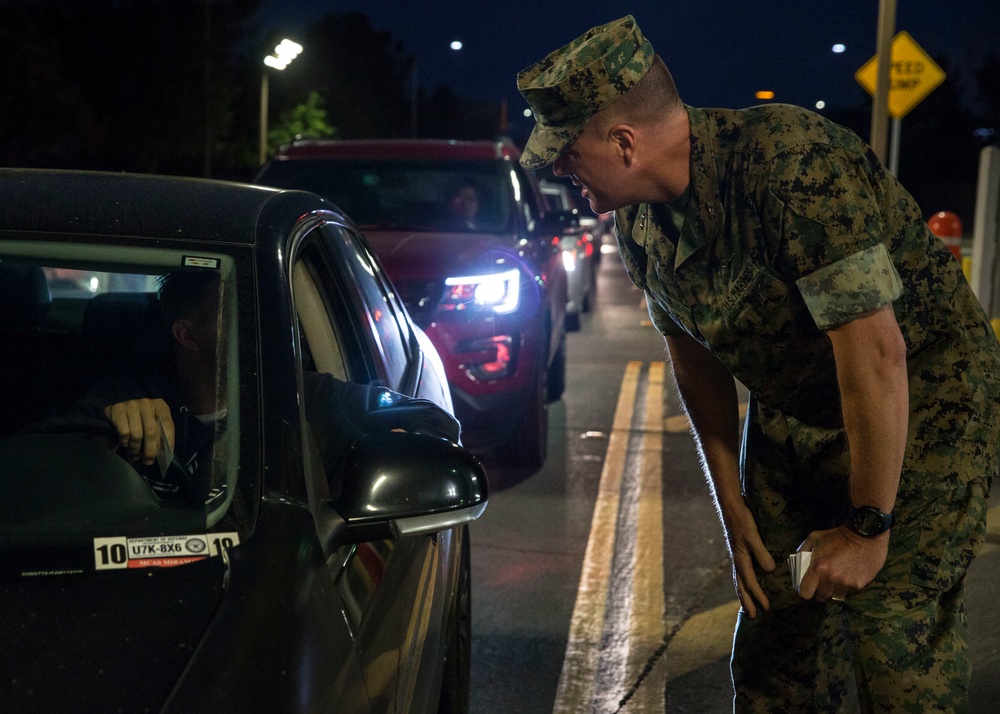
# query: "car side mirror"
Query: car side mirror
{"points": [[398, 483]]}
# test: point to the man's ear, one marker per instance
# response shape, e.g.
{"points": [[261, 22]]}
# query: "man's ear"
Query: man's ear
{"points": [[182, 331], [623, 138]]}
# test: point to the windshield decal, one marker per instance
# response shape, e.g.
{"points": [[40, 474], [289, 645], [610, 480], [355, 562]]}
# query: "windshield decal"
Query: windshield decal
{"points": [[195, 261], [159, 551]]}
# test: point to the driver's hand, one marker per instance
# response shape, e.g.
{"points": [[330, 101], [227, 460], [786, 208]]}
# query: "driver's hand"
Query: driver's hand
{"points": [[135, 421]]}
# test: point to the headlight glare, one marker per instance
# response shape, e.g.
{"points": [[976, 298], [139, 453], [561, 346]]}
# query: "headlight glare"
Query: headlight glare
{"points": [[499, 291]]}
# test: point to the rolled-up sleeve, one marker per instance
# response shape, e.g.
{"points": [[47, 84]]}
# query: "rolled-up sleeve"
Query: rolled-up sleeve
{"points": [[828, 203], [847, 289]]}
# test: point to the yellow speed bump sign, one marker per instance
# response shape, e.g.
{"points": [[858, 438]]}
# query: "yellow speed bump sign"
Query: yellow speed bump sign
{"points": [[912, 75]]}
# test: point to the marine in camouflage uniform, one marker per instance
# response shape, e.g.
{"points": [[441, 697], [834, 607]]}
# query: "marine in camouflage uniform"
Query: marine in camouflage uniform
{"points": [[790, 227], [793, 227]]}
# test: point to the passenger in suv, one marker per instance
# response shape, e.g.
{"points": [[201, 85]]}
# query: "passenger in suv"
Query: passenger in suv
{"points": [[490, 292], [461, 211]]}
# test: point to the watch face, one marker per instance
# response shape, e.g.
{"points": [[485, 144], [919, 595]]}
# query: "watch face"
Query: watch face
{"points": [[868, 521]]}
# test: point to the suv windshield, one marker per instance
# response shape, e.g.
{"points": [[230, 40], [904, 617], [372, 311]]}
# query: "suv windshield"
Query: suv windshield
{"points": [[418, 195], [84, 327]]}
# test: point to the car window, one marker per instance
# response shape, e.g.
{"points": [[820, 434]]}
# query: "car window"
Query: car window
{"points": [[326, 340], [69, 282], [379, 309], [320, 349], [320, 346], [82, 327]]}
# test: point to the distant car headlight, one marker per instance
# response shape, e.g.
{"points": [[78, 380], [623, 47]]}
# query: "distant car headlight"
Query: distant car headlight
{"points": [[500, 291]]}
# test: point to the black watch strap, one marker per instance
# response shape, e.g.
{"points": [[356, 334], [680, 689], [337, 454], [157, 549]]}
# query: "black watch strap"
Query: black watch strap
{"points": [[868, 521]]}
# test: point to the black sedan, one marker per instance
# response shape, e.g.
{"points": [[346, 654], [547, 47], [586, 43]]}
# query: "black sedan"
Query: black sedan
{"points": [[311, 552]]}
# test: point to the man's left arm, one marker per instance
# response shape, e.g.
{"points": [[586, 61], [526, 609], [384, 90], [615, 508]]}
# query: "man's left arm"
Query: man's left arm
{"points": [[870, 355]]}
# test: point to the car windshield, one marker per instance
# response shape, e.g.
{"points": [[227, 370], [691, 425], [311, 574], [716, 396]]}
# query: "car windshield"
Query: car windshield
{"points": [[417, 195], [84, 327]]}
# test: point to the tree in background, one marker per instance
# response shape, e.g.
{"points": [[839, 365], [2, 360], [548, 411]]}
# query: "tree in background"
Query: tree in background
{"points": [[136, 85], [365, 77], [361, 74], [44, 115], [173, 86], [306, 120]]}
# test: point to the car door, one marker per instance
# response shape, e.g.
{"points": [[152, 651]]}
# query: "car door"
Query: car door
{"points": [[390, 589]]}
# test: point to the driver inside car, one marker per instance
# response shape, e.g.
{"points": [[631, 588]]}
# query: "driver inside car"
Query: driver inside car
{"points": [[170, 414]]}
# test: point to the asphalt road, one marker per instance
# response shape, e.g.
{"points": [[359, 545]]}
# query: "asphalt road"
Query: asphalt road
{"points": [[600, 582]]}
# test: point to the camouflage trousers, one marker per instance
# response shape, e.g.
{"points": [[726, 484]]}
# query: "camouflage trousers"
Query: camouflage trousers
{"points": [[902, 642]]}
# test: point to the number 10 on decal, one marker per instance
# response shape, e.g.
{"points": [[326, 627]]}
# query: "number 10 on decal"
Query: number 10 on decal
{"points": [[159, 551]]}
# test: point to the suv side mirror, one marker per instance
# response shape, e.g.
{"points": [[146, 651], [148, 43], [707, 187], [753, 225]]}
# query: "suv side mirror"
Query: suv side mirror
{"points": [[400, 483]]}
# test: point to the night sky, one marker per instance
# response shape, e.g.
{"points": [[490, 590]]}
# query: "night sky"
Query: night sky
{"points": [[719, 51]]}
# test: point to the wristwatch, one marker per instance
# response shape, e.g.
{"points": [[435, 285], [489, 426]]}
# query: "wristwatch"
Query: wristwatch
{"points": [[868, 521]]}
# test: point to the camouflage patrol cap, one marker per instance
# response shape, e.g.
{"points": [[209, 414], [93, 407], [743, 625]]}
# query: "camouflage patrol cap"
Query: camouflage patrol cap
{"points": [[575, 82]]}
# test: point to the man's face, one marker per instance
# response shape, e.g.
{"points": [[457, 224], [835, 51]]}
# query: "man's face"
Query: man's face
{"points": [[201, 329], [465, 203], [207, 328], [593, 164]]}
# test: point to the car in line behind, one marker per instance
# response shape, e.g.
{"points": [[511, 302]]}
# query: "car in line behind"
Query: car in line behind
{"points": [[578, 253]]}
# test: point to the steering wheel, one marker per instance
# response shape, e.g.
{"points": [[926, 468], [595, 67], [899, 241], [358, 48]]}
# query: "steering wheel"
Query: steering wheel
{"points": [[76, 424]]}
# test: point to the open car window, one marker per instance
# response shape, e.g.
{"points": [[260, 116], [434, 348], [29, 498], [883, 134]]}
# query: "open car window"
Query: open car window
{"points": [[82, 327], [377, 310]]}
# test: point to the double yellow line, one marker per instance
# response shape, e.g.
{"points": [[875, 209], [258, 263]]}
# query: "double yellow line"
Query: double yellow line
{"points": [[582, 687]]}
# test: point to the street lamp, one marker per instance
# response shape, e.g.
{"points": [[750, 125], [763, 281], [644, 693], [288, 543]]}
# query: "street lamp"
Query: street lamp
{"points": [[284, 53]]}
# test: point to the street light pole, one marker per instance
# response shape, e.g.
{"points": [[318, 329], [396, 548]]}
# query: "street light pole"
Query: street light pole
{"points": [[880, 106], [263, 118], [284, 53]]}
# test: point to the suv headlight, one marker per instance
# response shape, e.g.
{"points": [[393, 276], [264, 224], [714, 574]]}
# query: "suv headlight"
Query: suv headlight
{"points": [[499, 291]]}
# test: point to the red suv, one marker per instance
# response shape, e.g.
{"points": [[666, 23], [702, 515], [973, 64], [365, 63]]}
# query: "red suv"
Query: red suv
{"points": [[463, 232]]}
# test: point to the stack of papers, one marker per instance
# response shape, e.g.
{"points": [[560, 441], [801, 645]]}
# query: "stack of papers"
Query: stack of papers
{"points": [[798, 563], [164, 454]]}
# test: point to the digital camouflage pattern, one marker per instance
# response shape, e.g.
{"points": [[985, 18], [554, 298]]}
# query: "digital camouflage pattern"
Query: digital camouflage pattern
{"points": [[793, 227], [576, 81], [906, 630]]}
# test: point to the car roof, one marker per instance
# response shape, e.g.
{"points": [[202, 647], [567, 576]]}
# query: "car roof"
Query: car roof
{"points": [[91, 202], [397, 149]]}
